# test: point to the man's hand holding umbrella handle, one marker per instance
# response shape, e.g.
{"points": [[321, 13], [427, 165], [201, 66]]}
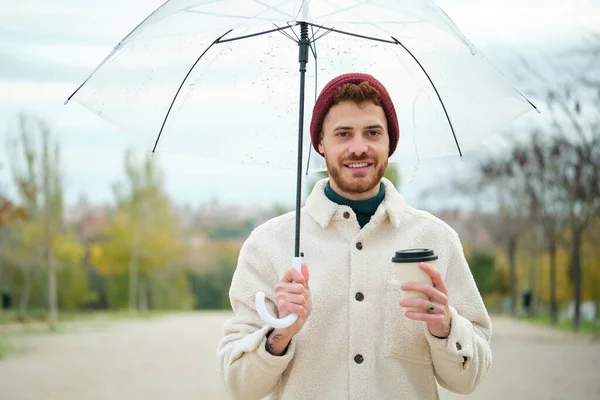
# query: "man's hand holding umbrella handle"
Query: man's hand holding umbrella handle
{"points": [[292, 294], [436, 311]]}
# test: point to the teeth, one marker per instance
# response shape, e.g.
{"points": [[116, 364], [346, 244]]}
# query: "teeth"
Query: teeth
{"points": [[358, 165]]}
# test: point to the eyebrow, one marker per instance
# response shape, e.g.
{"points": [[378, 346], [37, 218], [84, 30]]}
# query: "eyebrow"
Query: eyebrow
{"points": [[349, 128], [343, 128]]}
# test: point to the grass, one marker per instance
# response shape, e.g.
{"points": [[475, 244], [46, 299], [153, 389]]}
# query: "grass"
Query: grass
{"points": [[4, 345], [13, 326], [41, 316], [585, 327]]}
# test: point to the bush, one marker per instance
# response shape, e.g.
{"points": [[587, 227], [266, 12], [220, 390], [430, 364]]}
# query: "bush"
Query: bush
{"points": [[483, 268]]}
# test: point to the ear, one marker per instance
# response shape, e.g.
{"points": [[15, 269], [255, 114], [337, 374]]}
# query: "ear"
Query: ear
{"points": [[321, 148]]}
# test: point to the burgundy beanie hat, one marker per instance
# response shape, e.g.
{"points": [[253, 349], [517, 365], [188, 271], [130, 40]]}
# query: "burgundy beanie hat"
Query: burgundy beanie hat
{"points": [[325, 100]]}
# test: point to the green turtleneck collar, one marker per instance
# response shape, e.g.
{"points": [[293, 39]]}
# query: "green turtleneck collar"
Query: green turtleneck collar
{"points": [[364, 209]]}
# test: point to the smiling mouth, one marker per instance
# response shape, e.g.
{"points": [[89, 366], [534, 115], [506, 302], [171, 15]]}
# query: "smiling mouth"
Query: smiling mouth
{"points": [[359, 165]]}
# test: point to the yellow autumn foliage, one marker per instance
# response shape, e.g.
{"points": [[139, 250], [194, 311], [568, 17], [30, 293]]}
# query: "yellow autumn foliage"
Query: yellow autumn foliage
{"points": [[67, 249], [155, 238], [535, 272]]}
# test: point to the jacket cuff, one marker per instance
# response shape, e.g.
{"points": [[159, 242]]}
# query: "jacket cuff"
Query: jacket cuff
{"points": [[268, 362], [458, 346]]}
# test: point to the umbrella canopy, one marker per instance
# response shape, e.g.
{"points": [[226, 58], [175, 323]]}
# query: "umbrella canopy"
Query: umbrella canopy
{"points": [[207, 78]]}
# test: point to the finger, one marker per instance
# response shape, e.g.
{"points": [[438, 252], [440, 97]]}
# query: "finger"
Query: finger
{"points": [[293, 308], [435, 276], [421, 316], [290, 298], [295, 288], [423, 304], [427, 289], [292, 275], [305, 273]]}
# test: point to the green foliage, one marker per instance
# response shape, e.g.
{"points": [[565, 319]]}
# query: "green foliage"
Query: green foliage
{"points": [[212, 280], [74, 287], [211, 289], [483, 268], [171, 290], [117, 291], [229, 229]]}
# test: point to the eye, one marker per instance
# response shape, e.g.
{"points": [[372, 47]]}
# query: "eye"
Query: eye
{"points": [[342, 134], [374, 133]]}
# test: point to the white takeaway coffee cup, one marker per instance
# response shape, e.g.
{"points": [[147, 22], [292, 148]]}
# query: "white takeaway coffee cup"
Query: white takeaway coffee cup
{"points": [[406, 264]]}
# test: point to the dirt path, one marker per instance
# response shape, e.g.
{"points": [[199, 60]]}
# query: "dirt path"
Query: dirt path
{"points": [[536, 362], [173, 357]]}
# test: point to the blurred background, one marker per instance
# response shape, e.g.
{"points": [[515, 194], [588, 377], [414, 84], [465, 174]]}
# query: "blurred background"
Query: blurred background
{"points": [[115, 266]]}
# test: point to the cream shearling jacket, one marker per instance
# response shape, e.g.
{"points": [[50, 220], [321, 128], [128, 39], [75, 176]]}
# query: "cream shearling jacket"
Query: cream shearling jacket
{"points": [[401, 359]]}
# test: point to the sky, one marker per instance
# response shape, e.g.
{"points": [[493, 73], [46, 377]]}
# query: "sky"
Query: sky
{"points": [[47, 48]]}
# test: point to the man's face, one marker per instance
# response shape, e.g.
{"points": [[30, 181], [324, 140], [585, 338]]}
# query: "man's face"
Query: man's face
{"points": [[355, 144]]}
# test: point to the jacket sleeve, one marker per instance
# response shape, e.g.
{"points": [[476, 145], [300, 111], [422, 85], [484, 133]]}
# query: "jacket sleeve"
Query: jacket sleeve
{"points": [[462, 360], [247, 369]]}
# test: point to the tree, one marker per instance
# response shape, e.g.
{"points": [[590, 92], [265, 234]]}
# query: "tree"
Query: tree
{"points": [[36, 172], [10, 213], [537, 160], [213, 270], [574, 101], [144, 235], [501, 178]]}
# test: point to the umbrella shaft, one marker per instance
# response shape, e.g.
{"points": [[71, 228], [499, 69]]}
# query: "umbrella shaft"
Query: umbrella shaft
{"points": [[303, 47]]}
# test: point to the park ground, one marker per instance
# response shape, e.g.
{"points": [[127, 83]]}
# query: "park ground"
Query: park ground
{"points": [[172, 356]]}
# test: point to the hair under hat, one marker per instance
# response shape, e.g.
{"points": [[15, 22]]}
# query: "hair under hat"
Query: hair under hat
{"points": [[325, 101]]}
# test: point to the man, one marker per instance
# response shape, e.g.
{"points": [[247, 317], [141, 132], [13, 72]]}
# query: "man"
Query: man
{"points": [[352, 339]]}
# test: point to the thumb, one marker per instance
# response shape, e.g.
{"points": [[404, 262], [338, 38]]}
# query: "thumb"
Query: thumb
{"points": [[305, 273]]}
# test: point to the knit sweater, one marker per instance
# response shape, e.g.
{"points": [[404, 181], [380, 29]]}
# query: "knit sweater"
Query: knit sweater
{"points": [[353, 346]]}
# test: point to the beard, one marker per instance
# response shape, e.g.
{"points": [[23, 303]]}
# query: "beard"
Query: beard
{"points": [[356, 183]]}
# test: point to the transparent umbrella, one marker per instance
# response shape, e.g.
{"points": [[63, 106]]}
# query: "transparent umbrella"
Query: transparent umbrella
{"points": [[230, 80]]}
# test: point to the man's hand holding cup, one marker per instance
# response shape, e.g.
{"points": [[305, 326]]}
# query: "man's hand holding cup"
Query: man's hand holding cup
{"points": [[425, 296], [434, 310]]}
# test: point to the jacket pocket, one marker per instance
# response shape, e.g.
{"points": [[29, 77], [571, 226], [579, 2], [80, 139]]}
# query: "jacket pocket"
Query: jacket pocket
{"points": [[404, 338]]}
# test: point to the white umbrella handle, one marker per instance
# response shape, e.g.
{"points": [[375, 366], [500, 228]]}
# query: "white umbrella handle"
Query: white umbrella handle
{"points": [[262, 309]]}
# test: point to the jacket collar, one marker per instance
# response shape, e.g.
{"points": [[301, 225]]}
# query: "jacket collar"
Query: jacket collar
{"points": [[323, 210]]}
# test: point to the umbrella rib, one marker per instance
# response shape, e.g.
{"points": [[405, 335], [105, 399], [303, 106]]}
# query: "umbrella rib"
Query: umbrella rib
{"points": [[181, 86], [354, 34], [297, 38], [287, 35], [340, 10], [312, 39], [436, 92], [327, 32], [269, 7], [279, 29]]}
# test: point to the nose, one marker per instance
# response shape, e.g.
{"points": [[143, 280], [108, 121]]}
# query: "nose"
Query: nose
{"points": [[358, 146]]}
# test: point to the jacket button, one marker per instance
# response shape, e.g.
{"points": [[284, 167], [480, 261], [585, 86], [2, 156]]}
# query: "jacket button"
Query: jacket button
{"points": [[346, 214], [359, 245], [358, 359], [359, 296]]}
